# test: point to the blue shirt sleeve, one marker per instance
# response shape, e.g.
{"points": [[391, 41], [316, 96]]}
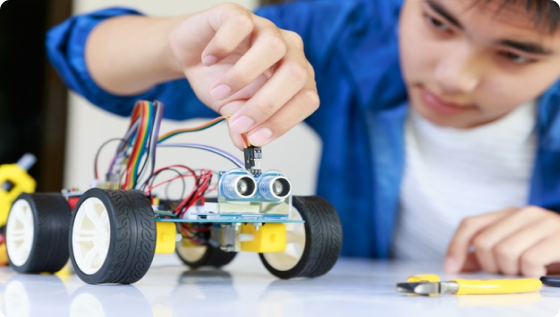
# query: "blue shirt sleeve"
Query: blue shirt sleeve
{"points": [[66, 47]]}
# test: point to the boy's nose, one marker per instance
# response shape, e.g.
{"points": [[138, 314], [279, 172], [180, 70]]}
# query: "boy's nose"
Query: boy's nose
{"points": [[458, 72]]}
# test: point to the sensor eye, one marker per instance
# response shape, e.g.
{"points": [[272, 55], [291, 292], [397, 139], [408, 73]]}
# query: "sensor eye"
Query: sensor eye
{"points": [[277, 188], [245, 186], [242, 186], [281, 187], [236, 186], [274, 187]]}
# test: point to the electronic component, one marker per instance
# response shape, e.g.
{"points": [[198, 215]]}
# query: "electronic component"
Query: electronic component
{"points": [[245, 210], [238, 184], [274, 186], [253, 156]]}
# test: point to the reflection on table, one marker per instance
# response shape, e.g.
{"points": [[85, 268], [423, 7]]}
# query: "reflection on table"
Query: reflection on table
{"points": [[245, 288]]}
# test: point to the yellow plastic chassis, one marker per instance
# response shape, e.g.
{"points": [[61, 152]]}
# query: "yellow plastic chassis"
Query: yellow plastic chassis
{"points": [[270, 237]]}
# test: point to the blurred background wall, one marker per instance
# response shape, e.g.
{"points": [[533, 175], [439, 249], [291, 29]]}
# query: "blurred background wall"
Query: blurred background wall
{"points": [[33, 101], [296, 153]]}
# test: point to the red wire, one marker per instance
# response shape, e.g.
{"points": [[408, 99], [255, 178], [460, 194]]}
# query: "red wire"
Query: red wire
{"points": [[188, 235], [166, 181], [176, 165], [192, 173], [137, 144], [135, 112], [203, 181], [244, 140], [198, 229], [133, 117]]}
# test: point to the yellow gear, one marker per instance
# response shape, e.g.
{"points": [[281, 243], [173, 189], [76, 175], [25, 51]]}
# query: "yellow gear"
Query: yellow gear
{"points": [[22, 183]]}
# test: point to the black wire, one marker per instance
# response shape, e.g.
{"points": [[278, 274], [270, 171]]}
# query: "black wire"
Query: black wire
{"points": [[147, 156], [143, 165], [169, 184], [201, 236], [101, 148], [191, 197], [158, 109], [129, 132], [153, 178]]}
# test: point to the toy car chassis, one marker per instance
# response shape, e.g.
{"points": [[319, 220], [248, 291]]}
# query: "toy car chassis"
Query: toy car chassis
{"points": [[112, 231]]}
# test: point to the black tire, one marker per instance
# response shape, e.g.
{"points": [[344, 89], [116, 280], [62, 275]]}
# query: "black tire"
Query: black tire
{"points": [[212, 256], [132, 239], [51, 223], [323, 239]]}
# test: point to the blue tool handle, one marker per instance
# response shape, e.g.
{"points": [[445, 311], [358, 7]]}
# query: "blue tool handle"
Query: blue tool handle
{"points": [[553, 281]]}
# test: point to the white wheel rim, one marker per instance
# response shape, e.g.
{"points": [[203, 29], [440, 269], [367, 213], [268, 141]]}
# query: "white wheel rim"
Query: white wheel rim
{"points": [[190, 253], [295, 245], [20, 231], [91, 235]]}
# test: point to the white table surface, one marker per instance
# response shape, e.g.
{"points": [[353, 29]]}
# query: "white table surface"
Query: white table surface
{"points": [[246, 289]]}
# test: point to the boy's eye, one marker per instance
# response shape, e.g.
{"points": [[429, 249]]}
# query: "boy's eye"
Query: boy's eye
{"points": [[518, 59], [438, 24]]}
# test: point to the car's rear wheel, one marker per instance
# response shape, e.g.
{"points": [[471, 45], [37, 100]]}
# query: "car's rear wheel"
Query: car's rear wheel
{"points": [[37, 233], [195, 256], [313, 247]]}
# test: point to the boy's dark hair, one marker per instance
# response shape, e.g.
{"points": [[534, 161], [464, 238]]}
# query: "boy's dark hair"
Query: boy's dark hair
{"points": [[545, 13]]}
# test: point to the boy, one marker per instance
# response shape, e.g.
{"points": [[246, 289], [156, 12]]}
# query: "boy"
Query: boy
{"points": [[469, 129]]}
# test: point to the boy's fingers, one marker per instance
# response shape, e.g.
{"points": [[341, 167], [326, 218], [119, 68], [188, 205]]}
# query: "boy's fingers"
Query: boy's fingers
{"points": [[263, 77], [268, 48], [534, 262], [232, 24], [228, 109], [301, 106], [467, 230], [553, 268], [291, 82], [471, 263], [509, 251], [486, 242], [236, 139]]}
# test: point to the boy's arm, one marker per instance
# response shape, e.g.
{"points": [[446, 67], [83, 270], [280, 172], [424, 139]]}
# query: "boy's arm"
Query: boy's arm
{"points": [[236, 62], [127, 55], [66, 44]]}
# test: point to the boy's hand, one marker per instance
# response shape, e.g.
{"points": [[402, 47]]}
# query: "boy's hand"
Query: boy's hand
{"points": [[511, 241], [243, 65]]}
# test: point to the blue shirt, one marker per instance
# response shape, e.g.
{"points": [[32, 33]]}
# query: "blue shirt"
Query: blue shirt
{"points": [[353, 47]]}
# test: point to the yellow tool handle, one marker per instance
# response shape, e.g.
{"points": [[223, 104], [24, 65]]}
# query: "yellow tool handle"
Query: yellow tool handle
{"points": [[480, 287], [423, 278]]}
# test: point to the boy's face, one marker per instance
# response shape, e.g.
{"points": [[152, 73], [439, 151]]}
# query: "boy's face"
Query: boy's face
{"points": [[466, 64]]}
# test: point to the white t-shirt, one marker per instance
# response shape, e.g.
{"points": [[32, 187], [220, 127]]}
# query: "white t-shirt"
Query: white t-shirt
{"points": [[451, 174]]}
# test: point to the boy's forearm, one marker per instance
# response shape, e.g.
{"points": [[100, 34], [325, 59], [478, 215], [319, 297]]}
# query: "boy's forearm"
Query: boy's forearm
{"points": [[128, 55]]}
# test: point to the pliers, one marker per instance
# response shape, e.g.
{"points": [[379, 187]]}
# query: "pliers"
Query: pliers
{"points": [[430, 284]]}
